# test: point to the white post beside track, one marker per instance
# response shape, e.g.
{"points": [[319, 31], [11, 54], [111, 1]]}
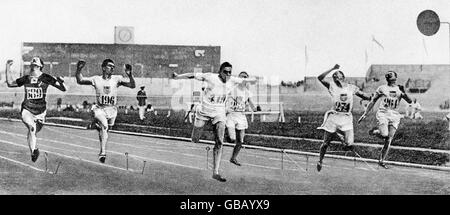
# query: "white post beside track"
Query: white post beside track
{"points": [[57, 167], [126, 154], [143, 168], [307, 162], [207, 155], [46, 161]]}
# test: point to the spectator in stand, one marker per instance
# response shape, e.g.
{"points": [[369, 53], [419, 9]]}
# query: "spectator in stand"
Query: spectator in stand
{"points": [[414, 110], [141, 97], [58, 104]]}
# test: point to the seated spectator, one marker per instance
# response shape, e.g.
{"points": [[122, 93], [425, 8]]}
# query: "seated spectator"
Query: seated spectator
{"points": [[69, 107]]}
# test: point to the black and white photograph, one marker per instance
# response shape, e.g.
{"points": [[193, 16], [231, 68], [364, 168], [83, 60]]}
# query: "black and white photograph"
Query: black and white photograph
{"points": [[242, 98]]}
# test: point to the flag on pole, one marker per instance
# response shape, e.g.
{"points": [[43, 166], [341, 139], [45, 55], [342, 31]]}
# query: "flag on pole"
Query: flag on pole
{"points": [[377, 42]]}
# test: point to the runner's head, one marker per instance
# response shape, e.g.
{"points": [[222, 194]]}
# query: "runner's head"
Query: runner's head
{"points": [[36, 63], [108, 67], [338, 76], [391, 77], [225, 71], [243, 74]]}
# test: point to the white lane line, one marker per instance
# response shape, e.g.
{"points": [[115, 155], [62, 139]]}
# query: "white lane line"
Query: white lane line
{"points": [[67, 156], [15, 153], [110, 151], [133, 156], [140, 147], [22, 163], [261, 166], [122, 144], [162, 150], [168, 146]]}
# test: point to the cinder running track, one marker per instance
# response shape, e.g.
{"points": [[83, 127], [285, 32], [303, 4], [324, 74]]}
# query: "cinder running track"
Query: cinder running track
{"points": [[178, 167]]}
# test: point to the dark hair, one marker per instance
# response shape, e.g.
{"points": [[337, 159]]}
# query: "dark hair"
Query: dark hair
{"points": [[41, 61], [243, 72], [106, 61], [339, 71], [389, 72], [225, 64]]}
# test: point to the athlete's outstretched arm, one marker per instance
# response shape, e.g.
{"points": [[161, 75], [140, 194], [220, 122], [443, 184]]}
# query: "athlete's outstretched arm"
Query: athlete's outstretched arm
{"points": [[252, 105], [59, 84], [322, 76], [404, 95], [131, 84], [362, 95], [9, 79], [80, 79], [250, 80], [183, 76], [369, 106]]}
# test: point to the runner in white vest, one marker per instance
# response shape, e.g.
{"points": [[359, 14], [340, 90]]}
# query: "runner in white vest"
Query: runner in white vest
{"points": [[388, 115], [105, 109], [212, 107], [339, 118], [236, 119]]}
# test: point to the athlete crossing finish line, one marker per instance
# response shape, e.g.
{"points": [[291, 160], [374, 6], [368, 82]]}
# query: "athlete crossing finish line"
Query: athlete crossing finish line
{"points": [[34, 105], [338, 120], [105, 109], [236, 119], [212, 107], [388, 115]]}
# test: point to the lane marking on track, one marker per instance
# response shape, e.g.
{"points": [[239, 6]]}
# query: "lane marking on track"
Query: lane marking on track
{"points": [[138, 147], [132, 156], [67, 156], [128, 145], [110, 151], [403, 164], [10, 152], [404, 170], [178, 145], [22, 163]]}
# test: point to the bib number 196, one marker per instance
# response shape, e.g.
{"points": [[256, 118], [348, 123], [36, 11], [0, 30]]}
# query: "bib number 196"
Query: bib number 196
{"points": [[108, 100]]}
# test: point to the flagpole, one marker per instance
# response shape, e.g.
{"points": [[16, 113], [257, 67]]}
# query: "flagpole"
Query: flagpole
{"points": [[306, 60]]}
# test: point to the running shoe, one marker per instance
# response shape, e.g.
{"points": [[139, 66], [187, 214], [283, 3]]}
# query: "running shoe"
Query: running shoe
{"points": [[219, 178], [319, 166], [35, 155], [102, 158], [382, 164], [234, 161]]}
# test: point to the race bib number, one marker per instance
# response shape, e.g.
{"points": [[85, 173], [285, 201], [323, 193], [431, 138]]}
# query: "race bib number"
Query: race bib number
{"points": [[34, 93], [107, 100], [216, 99], [390, 103], [237, 104], [342, 107]]}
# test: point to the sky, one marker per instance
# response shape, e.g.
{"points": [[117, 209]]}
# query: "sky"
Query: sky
{"points": [[289, 39]]}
